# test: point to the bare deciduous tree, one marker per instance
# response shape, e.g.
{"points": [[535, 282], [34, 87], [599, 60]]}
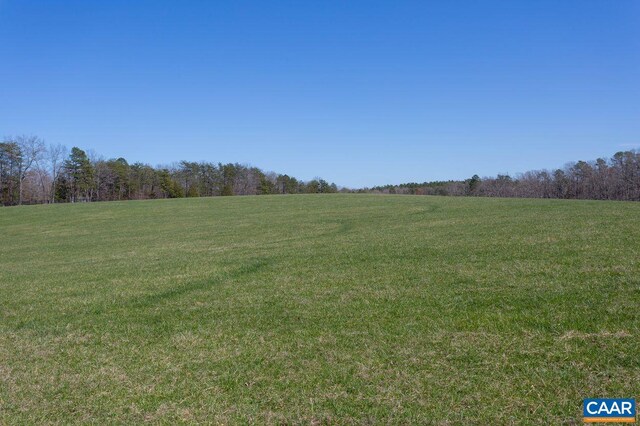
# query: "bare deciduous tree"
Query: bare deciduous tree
{"points": [[32, 150], [56, 155]]}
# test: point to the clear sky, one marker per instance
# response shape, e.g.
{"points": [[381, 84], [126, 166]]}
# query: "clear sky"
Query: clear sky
{"points": [[357, 92]]}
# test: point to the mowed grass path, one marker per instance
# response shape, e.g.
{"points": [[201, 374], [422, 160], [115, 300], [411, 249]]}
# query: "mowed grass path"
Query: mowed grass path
{"points": [[345, 309]]}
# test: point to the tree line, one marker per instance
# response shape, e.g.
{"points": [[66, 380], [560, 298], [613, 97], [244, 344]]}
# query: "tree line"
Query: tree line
{"points": [[32, 172], [616, 178]]}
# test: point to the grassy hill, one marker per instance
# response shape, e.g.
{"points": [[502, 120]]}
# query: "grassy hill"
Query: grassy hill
{"points": [[318, 309]]}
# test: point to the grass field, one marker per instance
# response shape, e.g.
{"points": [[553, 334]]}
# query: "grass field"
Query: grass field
{"points": [[345, 309]]}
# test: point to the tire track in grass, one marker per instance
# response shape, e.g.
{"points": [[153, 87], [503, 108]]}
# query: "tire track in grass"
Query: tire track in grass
{"points": [[146, 301]]}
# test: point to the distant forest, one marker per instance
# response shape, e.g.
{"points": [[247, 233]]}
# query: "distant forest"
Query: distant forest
{"points": [[32, 172], [616, 178]]}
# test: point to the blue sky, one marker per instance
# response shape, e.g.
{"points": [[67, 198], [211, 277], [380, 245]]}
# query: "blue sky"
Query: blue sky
{"points": [[358, 92]]}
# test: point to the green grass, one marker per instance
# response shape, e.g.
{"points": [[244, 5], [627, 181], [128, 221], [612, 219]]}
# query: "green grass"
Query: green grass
{"points": [[347, 309]]}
